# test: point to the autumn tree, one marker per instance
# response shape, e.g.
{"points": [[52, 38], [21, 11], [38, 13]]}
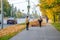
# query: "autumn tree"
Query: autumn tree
{"points": [[51, 8]]}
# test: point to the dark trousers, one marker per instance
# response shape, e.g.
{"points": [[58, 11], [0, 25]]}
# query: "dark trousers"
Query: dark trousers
{"points": [[27, 26], [47, 21], [40, 23]]}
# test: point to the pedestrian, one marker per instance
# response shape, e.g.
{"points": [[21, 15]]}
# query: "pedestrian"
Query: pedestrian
{"points": [[40, 21], [27, 23], [47, 19]]}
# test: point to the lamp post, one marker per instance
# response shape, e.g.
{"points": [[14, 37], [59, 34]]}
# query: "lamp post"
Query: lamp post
{"points": [[2, 14], [28, 7]]}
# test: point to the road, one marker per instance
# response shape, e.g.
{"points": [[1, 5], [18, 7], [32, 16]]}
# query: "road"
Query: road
{"points": [[5, 25], [21, 20]]}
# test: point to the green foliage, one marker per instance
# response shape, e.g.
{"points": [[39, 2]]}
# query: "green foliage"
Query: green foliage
{"points": [[53, 4], [58, 1], [6, 8]]}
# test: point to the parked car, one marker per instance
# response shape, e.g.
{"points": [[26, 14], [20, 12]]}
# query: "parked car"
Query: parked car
{"points": [[11, 21]]}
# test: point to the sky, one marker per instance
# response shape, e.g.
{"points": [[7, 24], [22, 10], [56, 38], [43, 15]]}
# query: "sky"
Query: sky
{"points": [[22, 5]]}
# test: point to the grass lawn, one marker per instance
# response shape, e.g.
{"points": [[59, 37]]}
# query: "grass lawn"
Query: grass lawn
{"points": [[57, 26], [7, 37]]}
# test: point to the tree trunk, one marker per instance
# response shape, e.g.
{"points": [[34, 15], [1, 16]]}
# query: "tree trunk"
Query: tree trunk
{"points": [[59, 18], [54, 18]]}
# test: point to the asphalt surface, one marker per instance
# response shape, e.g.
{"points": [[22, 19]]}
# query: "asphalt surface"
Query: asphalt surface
{"points": [[5, 25], [47, 32]]}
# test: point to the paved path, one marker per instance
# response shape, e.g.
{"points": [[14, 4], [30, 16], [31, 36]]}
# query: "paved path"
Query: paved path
{"points": [[46, 32]]}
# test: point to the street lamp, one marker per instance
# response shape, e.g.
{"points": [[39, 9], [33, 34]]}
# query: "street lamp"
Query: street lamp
{"points": [[28, 7], [2, 14]]}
